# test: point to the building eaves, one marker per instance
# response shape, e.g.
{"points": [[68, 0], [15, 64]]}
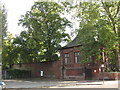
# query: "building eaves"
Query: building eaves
{"points": [[73, 43]]}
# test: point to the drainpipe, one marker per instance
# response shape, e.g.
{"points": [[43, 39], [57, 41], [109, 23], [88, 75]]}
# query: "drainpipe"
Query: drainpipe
{"points": [[62, 55]]}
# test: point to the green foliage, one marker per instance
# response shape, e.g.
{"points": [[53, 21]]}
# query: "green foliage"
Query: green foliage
{"points": [[16, 73], [9, 54], [4, 22], [28, 48], [97, 31], [44, 34], [0, 32]]}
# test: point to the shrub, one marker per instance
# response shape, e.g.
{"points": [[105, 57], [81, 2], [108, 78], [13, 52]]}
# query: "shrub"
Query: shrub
{"points": [[17, 73]]}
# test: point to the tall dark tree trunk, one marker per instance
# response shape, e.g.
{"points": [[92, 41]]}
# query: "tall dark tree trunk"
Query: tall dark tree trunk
{"points": [[119, 44]]}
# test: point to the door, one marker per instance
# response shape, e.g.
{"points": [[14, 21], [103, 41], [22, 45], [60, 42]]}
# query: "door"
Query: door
{"points": [[88, 74]]}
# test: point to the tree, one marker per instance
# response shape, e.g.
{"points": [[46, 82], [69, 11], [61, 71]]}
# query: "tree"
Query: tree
{"points": [[4, 22], [9, 52], [112, 9], [45, 27], [98, 29], [0, 39], [0, 35], [28, 47]]}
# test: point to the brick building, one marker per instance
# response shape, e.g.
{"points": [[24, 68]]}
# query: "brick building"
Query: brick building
{"points": [[69, 67], [72, 69]]}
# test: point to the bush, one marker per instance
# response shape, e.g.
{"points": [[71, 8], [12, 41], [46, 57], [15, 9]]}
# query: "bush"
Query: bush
{"points": [[17, 73]]}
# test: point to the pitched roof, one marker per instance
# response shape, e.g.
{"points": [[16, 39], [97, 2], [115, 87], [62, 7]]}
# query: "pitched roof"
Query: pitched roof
{"points": [[73, 43]]}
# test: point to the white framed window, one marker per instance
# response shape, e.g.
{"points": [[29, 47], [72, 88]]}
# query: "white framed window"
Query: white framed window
{"points": [[77, 57], [67, 58], [90, 58]]}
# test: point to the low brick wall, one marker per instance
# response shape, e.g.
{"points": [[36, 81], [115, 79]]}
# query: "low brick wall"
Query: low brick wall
{"points": [[110, 75], [95, 73], [50, 69]]}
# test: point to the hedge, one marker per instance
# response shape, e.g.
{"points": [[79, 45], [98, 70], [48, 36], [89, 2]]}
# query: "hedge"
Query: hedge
{"points": [[17, 73]]}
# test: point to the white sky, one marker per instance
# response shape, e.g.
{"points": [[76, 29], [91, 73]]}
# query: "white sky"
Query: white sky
{"points": [[16, 8]]}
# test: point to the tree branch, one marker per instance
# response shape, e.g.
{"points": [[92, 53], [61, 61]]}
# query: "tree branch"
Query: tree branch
{"points": [[110, 16], [117, 10]]}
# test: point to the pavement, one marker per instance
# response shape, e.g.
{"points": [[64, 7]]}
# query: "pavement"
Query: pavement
{"points": [[53, 83]]}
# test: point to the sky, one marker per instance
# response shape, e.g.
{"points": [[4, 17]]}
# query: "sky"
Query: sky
{"points": [[16, 8]]}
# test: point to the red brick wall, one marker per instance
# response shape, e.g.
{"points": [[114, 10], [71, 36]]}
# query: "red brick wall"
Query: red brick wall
{"points": [[50, 69], [110, 75], [95, 73], [71, 52], [72, 70]]}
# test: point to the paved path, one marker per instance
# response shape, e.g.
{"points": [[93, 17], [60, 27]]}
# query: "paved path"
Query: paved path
{"points": [[106, 84], [36, 83]]}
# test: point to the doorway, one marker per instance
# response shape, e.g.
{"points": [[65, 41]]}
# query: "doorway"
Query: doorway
{"points": [[88, 74]]}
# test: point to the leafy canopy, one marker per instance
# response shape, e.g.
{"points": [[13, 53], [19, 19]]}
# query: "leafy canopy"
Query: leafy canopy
{"points": [[45, 31], [98, 29]]}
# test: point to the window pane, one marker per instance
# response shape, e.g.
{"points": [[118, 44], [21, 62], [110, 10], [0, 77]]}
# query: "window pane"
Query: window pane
{"points": [[75, 54], [65, 55], [66, 58], [77, 57], [68, 55]]}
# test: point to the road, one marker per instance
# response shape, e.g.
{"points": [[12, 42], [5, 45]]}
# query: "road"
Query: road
{"points": [[106, 84], [36, 83]]}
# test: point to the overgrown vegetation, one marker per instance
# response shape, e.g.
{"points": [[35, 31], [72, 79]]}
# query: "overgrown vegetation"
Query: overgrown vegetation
{"points": [[16, 73], [98, 32]]}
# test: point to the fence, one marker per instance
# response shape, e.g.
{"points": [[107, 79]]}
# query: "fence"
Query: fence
{"points": [[16, 73]]}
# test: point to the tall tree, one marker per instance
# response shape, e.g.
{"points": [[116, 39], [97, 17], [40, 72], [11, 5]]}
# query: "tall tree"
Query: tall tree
{"points": [[112, 9], [8, 52], [98, 28], [4, 22], [0, 40], [46, 27]]}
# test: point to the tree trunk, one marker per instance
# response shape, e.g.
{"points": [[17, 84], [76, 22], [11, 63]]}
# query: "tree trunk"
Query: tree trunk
{"points": [[116, 60], [119, 45], [116, 31]]}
